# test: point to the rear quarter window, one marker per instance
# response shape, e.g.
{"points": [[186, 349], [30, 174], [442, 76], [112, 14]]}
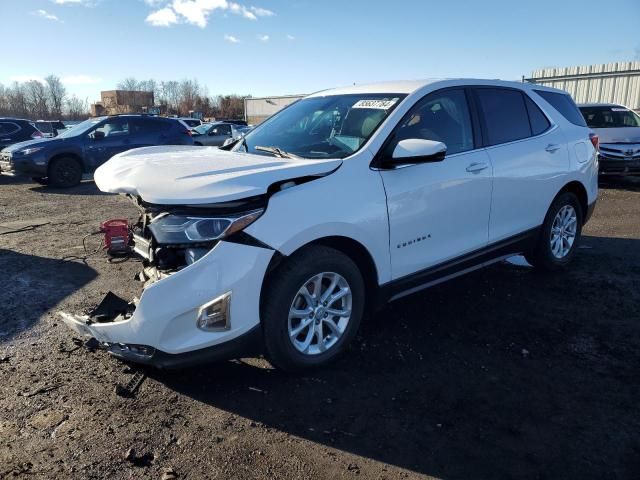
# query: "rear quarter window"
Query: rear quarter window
{"points": [[539, 122], [565, 105]]}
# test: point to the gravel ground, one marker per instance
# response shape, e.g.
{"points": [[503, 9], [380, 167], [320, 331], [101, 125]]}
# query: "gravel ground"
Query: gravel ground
{"points": [[504, 373]]}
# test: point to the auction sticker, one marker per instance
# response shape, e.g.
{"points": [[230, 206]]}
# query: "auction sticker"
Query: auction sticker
{"points": [[379, 104]]}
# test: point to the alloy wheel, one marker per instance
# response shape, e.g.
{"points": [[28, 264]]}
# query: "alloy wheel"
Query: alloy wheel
{"points": [[563, 231], [320, 313]]}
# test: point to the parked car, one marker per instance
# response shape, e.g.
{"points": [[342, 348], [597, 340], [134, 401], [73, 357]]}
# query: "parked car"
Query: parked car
{"points": [[618, 129], [337, 204], [50, 128], [14, 130], [191, 122], [216, 134], [61, 161]]}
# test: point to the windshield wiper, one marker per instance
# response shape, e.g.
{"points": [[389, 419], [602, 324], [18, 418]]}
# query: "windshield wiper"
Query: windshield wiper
{"points": [[275, 151]]}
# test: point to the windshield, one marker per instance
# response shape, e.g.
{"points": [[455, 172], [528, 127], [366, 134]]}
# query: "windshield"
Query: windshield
{"points": [[190, 122], [203, 129], [322, 127], [610, 117], [80, 128]]}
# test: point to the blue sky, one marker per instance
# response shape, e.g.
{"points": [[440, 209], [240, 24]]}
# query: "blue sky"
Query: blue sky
{"points": [[271, 47]]}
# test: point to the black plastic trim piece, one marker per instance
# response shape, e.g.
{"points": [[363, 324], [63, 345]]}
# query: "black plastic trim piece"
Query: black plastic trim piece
{"points": [[244, 238]]}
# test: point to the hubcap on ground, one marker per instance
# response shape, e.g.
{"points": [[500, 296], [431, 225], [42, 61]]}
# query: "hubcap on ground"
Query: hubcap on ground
{"points": [[563, 231], [319, 313]]}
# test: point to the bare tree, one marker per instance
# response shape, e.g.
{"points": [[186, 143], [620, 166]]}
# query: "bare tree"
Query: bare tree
{"points": [[56, 95], [129, 83], [36, 97], [16, 100], [76, 108]]}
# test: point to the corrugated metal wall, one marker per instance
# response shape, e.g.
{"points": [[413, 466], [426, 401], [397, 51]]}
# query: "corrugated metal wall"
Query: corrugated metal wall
{"points": [[607, 83], [258, 109]]}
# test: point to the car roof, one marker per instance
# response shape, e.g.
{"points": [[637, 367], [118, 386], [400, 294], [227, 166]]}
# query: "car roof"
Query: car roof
{"points": [[617, 105], [13, 119], [411, 86]]}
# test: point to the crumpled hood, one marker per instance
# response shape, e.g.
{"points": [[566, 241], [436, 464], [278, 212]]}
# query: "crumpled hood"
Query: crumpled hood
{"points": [[618, 135], [46, 142], [186, 175]]}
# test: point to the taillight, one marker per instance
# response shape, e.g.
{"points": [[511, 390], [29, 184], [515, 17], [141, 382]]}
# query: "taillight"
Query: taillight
{"points": [[595, 141], [188, 132], [37, 134]]}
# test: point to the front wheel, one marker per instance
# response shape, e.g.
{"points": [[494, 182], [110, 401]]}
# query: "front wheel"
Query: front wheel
{"points": [[311, 308], [65, 172], [560, 234]]}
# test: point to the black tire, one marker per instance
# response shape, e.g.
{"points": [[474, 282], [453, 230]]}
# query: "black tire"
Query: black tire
{"points": [[542, 256], [40, 180], [65, 172], [279, 292], [197, 144]]}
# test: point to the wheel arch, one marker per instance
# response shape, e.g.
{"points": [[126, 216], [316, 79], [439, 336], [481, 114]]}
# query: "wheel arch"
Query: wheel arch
{"points": [[75, 156], [355, 250], [579, 190]]}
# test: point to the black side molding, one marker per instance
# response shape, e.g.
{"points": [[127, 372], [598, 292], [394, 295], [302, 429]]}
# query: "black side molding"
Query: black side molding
{"points": [[453, 268]]}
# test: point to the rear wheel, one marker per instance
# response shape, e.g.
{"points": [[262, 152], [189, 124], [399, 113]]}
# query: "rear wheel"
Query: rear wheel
{"points": [[65, 172], [561, 231], [311, 308]]}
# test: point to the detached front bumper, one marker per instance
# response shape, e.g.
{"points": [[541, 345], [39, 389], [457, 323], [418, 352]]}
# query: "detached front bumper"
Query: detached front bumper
{"points": [[161, 328]]}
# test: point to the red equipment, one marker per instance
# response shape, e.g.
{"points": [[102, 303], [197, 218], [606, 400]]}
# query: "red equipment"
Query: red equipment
{"points": [[116, 235]]}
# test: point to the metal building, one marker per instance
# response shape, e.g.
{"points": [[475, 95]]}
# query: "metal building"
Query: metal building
{"points": [[258, 109], [603, 83]]}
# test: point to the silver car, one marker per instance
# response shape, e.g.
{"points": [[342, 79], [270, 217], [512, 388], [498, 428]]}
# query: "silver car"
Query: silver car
{"points": [[618, 129], [217, 133]]}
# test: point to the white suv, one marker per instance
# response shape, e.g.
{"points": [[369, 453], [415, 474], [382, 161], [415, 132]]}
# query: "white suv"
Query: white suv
{"points": [[344, 200]]}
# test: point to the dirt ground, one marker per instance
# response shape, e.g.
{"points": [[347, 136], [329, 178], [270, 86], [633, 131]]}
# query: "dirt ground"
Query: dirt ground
{"points": [[505, 373]]}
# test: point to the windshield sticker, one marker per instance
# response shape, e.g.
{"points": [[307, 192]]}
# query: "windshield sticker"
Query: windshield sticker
{"points": [[378, 104], [618, 109]]}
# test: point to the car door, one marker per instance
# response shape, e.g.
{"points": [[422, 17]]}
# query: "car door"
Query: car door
{"points": [[438, 211], [218, 134], [109, 138], [8, 134], [529, 157]]}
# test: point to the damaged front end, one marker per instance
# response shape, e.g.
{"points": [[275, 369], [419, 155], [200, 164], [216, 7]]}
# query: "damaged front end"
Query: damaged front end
{"points": [[169, 240]]}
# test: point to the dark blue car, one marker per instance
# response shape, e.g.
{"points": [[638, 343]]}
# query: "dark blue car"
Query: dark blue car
{"points": [[61, 161]]}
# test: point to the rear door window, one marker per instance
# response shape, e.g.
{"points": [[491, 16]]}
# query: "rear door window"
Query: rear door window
{"points": [[539, 122], [505, 115], [8, 128], [564, 104]]}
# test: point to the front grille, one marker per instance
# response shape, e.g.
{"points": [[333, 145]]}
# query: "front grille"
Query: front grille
{"points": [[622, 152]]}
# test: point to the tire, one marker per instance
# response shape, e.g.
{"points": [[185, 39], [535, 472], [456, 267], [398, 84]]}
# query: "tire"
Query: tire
{"points": [[197, 144], [547, 254], [281, 294], [65, 172], [40, 180]]}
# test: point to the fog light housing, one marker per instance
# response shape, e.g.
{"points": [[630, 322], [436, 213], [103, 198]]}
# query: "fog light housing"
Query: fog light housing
{"points": [[215, 315]]}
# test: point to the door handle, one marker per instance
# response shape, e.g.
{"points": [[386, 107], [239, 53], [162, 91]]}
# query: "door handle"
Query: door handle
{"points": [[477, 167], [552, 147]]}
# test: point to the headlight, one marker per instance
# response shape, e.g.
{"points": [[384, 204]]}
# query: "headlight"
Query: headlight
{"points": [[29, 151], [177, 229]]}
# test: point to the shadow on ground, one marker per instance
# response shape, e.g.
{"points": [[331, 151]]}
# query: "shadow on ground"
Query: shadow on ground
{"points": [[31, 285], [631, 183], [504, 373], [87, 187]]}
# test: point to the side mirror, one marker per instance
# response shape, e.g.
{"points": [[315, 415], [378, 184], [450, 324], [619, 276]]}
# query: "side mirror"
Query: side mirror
{"points": [[97, 135], [416, 150]]}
